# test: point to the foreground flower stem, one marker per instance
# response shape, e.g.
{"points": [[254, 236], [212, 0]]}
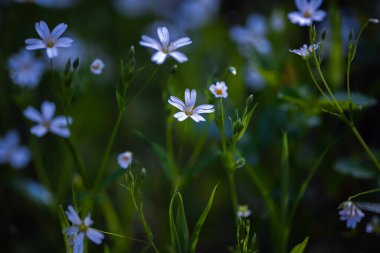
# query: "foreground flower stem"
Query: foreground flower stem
{"points": [[78, 160], [316, 83], [364, 193]]}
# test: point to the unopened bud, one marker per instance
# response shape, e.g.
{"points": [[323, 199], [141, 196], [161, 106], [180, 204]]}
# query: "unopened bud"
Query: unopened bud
{"points": [[232, 70], [76, 63], [323, 36], [373, 21]]}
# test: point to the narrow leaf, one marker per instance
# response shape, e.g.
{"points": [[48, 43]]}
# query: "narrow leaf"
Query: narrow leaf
{"points": [[299, 248]]}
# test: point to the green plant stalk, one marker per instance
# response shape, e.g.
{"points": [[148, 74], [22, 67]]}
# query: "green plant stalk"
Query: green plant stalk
{"points": [[233, 195], [170, 149], [364, 193], [223, 132], [78, 160], [39, 165], [316, 83], [365, 146]]}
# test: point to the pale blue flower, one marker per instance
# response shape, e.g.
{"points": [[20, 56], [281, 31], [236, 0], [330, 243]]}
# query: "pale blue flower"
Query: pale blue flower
{"points": [[78, 230], [25, 69], [164, 47], [46, 122], [11, 152], [187, 108], [97, 66], [305, 51], [125, 159], [253, 78], [252, 35], [307, 12], [35, 191], [51, 3], [50, 40], [350, 213], [219, 90], [132, 8], [243, 211]]}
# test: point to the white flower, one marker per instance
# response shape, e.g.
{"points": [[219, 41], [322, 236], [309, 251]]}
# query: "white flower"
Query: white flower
{"points": [[305, 50], [11, 152], [124, 159], [97, 66], [25, 70], [243, 212], [164, 47], [50, 41], [307, 12], [45, 121], [187, 108], [350, 213], [219, 90], [80, 229]]}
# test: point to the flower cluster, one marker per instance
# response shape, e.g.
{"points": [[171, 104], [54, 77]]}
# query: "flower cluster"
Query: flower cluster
{"points": [[305, 51], [124, 159], [350, 213], [243, 211]]}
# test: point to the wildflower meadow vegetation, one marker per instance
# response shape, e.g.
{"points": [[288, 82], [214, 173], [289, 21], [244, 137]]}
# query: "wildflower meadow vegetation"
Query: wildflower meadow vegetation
{"points": [[189, 126]]}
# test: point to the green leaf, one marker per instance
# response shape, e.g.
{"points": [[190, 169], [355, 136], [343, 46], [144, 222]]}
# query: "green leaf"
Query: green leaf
{"points": [[120, 100], [284, 177], [354, 168], [359, 101], [201, 221], [299, 248], [178, 227]]}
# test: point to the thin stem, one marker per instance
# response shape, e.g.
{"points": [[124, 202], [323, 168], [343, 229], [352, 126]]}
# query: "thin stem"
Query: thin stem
{"points": [[39, 165], [364, 193], [233, 195], [223, 132], [122, 236], [78, 160], [365, 146], [316, 83]]}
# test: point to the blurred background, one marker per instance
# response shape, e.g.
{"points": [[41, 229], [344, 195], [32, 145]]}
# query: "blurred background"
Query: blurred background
{"points": [[252, 36]]}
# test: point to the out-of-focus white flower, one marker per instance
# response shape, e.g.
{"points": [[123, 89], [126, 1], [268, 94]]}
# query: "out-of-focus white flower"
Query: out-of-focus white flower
{"points": [[11, 152], [25, 69], [46, 122], [219, 90], [50, 3], [97, 66], [232, 70], [277, 21], [374, 225], [78, 230], [350, 213], [125, 159], [252, 35], [307, 12], [253, 78], [50, 40], [164, 47], [187, 108], [132, 8], [243, 211], [35, 191], [305, 50]]}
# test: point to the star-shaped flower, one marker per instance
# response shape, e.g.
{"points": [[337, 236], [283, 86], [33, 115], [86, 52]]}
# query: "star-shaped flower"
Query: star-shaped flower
{"points": [[305, 50], [350, 213], [78, 230], [97, 66], [219, 90], [307, 12], [164, 47], [46, 122], [187, 108], [50, 40], [243, 211]]}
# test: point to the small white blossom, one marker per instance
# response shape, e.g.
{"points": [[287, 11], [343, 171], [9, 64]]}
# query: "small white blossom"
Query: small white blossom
{"points": [[50, 40], [307, 12], [97, 66], [164, 47], [124, 159], [219, 90], [11, 152], [187, 108], [243, 212], [46, 122], [25, 69], [350, 213], [78, 230], [305, 50]]}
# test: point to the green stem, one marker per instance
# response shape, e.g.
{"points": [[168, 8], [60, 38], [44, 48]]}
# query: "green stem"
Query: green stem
{"points": [[316, 83], [365, 146], [122, 236], [233, 195], [107, 152], [222, 130], [39, 165], [79, 162], [364, 193]]}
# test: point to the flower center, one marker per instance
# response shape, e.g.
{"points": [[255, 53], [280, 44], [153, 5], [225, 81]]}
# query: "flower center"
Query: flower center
{"points": [[126, 158], [96, 67], [307, 14], [50, 43], [189, 111], [219, 92], [83, 227], [46, 124]]}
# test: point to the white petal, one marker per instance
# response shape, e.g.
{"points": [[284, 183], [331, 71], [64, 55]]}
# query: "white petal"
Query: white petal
{"points": [[319, 15], [95, 236], [78, 243], [39, 130], [190, 102], [11, 139], [62, 131], [34, 47], [298, 18], [150, 42], [52, 52], [87, 221], [181, 116], [73, 216], [301, 4], [180, 57], [48, 110], [180, 42], [178, 103], [59, 30], [72, 230], [315, 4], [187, 97], [124, 159], [33, 115], [62, 121], [159, 57], [42, 30], [33, 41], [197, 117], [163, 35], [204, 109], [64, 42]]}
